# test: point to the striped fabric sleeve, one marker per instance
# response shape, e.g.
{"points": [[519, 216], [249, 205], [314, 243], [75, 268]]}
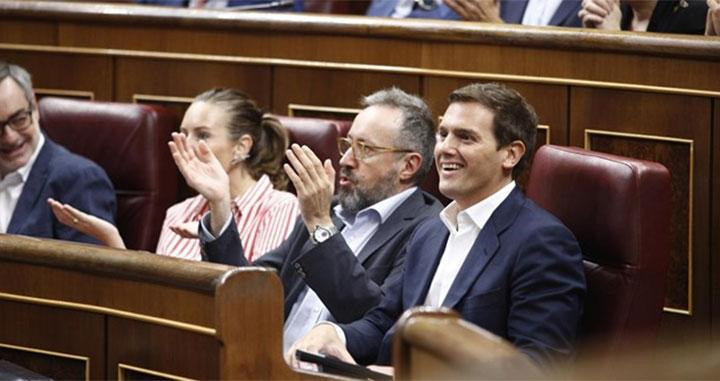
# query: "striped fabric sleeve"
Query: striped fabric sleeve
{"points": [[277, 223]]}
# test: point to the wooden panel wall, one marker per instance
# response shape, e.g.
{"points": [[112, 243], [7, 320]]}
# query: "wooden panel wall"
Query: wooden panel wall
{"points": [[641, 95]]}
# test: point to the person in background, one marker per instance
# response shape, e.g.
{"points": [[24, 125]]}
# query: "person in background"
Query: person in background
{"points": [[497, 258], [670, 16], [526, 12], [34, 168], [249, 146], [337, 259]]}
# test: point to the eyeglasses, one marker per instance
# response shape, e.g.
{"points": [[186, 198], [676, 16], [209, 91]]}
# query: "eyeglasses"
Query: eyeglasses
{"points": [[361, 150], [19, 122]]}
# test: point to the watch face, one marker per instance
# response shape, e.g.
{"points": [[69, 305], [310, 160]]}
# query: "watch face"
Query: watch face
{"points": [[321, 234]]}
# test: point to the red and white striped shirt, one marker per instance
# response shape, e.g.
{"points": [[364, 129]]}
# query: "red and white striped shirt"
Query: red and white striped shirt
{"points": [[264, 218]]}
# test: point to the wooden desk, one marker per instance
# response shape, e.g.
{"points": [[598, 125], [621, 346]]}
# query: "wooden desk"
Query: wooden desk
{"points": [[73, 311]]}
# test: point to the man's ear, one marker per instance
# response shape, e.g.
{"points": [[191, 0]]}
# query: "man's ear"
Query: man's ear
{"points": [[513, 154], [36, 109], [411, 164]]}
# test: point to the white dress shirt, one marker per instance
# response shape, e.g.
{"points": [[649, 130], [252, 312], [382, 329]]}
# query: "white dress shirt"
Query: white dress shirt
{"points": [[464, 227], [12, 185], [309, 310], [540, 12]]}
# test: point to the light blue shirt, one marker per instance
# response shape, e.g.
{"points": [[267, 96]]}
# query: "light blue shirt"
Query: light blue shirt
{"points": [[358, 230]]}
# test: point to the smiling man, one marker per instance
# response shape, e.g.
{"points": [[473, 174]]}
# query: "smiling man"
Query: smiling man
{"points": [[337, 258], [496, 257], [33, 168]]}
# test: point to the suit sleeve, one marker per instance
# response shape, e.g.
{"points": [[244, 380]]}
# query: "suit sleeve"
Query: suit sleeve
{"points": [[547, 290], [345, 286], [90, 191], [364, 337], [227, 248], [348, 288]]}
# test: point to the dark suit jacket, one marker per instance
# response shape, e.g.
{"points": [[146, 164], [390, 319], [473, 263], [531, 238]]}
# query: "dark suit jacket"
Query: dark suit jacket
{"points": [[511, 11], [68, 178], [348, 285], [670, 17], [523, 280]]}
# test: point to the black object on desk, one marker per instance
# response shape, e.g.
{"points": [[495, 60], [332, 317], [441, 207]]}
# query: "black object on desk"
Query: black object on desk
{"points": [[332, 365]]}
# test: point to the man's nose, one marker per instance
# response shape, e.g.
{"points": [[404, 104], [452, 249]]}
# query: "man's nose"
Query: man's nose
{"points": [[347, 159], [7, 133]]}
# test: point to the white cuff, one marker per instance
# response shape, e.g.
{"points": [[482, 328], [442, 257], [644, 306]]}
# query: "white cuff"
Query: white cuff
{"points": [[207, 231]]}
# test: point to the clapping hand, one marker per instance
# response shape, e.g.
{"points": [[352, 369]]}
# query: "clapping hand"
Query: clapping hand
{"points": [[712, 26], [314, 183], [204, 173], [601, 14], [476, 10]]}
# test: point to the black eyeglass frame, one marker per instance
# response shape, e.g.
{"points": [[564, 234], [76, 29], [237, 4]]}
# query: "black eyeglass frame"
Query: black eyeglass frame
{"points": [[18, 117]]}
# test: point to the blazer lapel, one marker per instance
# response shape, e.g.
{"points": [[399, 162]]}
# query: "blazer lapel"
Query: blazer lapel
{"points": [[398, 220], [422, 274], [485, 247], [564, 11], [512, 11], [480, 254], [33, 187]]}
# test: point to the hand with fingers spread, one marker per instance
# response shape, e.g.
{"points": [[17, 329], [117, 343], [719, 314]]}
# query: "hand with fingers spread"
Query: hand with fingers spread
{"points": [[314, 183], [186, 229], [322, 339], [601, 14], [97, 228], [712, 26], [476, 10], [204, 173]]}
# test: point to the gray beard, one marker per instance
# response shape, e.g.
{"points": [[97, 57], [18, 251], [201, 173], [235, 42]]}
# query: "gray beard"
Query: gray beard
{"points": [[360, 197]]}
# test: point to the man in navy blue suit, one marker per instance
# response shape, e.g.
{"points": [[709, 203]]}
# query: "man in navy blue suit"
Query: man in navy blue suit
{"points": [[527, 12], [496, 257], [33, 168]]}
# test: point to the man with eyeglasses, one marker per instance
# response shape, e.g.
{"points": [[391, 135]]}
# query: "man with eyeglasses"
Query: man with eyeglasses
{"points": [[337, 258], [33, 168]]}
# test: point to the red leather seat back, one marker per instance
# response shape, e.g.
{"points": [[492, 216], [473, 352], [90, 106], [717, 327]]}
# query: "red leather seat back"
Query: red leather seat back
{"points": [[129, 141], [343, 127], [318, 134], [619, 210]]}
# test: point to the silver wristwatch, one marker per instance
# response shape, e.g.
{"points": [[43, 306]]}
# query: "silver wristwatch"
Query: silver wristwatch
{"points": [[322, 233]]}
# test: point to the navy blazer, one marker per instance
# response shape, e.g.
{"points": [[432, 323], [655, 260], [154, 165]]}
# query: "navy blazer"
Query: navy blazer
{"points": [[522, 280], [348, 285], [511, 11], [68, 178]]}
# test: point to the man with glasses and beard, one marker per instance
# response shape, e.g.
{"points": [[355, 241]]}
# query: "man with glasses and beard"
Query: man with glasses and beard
{"points": [[337, 258], [33, 168]]}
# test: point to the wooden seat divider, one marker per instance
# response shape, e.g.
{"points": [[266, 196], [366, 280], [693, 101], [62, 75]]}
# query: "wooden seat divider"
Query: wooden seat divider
{"points": [[76, 311]]}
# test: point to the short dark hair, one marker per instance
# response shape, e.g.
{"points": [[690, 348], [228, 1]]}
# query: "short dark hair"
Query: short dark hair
{"points": [[418, 129], [270, 138], [514, 118]]}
